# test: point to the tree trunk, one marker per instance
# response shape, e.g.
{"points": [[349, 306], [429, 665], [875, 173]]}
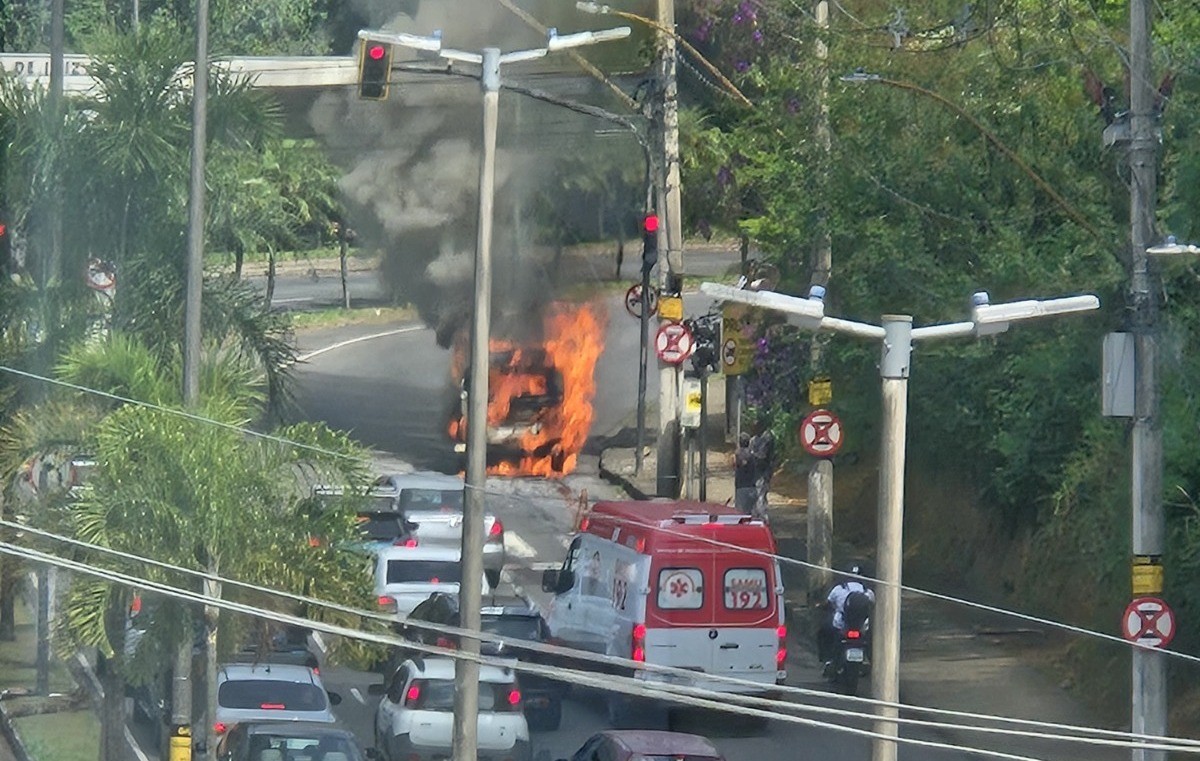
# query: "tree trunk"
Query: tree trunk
{"points": [[744, 249], [343, 249], [239, 258], [270, 275], [112, 678], [8, 599], [212, 615]]}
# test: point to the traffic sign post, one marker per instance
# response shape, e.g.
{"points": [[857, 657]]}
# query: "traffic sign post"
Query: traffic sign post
{"points": [[737, 340], [674, 343], [634, 303], [1148, 622], [821, 433]]}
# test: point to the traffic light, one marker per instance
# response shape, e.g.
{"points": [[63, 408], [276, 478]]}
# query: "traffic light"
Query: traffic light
{"points": [[649, 242], [374, 70]]}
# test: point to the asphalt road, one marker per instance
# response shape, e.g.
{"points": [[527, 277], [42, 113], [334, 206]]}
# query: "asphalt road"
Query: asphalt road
{"points": [[388, 386]]}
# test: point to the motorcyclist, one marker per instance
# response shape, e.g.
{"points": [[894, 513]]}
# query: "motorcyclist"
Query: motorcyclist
{"points": [[833, 627]]}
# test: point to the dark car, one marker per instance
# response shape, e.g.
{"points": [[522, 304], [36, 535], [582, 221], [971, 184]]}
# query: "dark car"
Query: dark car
{"points": [[290, 741], [646, 745], [288, 644], [512, 618]]}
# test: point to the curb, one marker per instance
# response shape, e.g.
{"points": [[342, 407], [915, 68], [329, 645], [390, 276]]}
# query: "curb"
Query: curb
{"points": [[620, 481], [20, 752]]}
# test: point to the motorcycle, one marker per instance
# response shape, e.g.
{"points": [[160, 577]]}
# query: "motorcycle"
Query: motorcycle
{"points": [[852, 658]]}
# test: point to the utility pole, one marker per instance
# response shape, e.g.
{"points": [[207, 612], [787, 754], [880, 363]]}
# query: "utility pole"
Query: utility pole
{"points": [[1148, 699], [181, 685], [897, 335], [466, 668], [667, 477]]}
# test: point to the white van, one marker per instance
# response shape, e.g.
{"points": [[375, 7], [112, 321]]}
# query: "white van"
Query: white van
{"points": [[683, 584], [406, 576]]}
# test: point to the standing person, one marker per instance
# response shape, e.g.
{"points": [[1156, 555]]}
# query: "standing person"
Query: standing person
{"points": [[762, 449], [745, 476]]}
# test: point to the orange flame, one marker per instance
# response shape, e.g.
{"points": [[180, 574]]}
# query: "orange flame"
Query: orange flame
{"points": [[560, 373]]}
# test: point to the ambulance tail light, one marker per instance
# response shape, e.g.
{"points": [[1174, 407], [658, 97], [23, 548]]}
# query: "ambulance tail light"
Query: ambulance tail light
{"points": [[638, 649], [781, 651], [496, 532]]}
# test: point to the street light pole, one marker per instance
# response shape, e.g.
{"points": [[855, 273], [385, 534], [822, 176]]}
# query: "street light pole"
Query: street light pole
{"points": [[466, 668], [896, 335]]}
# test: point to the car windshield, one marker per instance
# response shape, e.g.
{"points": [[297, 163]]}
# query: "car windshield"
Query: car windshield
{"points": [[429, 571], [515, 627], [299, 747], [438, 695], [380, 527], [431, 499], [271, 694]]}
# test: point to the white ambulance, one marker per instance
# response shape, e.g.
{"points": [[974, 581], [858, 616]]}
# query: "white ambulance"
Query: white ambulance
{"points": [[690, 585]]}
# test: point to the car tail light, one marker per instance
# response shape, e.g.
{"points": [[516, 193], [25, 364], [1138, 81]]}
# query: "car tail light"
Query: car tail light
{"points": [[781, 652], [508, 698], [220, 727], [272, 706], [514, 697], [446, 642], [639, 643], [413, 696], [407, 542], [496, 532], [853, 634], [387, 603], [583, 524]]}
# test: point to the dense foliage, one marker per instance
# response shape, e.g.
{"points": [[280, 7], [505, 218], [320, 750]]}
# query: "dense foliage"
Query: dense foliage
{"points": [[935, 185]]}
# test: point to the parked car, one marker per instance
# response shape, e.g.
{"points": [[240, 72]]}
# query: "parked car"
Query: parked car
{"points": [[271, 692], [646, 745], [415, 718], [433, 504], [405, 576], [512, 618], [291, 741], [288, 644], [381, 521]]}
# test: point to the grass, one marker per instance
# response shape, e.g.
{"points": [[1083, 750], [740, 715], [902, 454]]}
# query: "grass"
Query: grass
{"points": [[18, 658], [66, 736], [335, 317], [219, 258]]}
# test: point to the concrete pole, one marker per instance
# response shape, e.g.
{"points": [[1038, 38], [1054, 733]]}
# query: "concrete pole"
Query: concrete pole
{"points": [[672, 235], [703, 491], [885, 671], [42, 677], [820, 527], [181, 685], [212, 617], [1149, 685], [466, 670], [343, 252]]}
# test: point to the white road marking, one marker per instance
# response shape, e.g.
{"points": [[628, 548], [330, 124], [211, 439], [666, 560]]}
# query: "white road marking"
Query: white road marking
{"points": [[358, 695], [291, 300], [133, 743], [359, 339], [515, 545], [545, 565]]}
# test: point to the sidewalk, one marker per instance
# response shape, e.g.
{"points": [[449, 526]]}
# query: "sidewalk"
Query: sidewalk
{"points": [[951, 658]]}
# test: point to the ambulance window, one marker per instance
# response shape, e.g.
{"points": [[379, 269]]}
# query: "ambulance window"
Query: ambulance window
{"points": [[746, 589], [680, 589], [572, 556]]}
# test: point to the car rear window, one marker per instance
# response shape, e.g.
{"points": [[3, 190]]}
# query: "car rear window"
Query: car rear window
{"points": [[746, 589], [514, 627], [380, 527], [680, 589], [681, 757], [438, 695], [431, 499], [271, 694], [301, 748], [407, 571]]}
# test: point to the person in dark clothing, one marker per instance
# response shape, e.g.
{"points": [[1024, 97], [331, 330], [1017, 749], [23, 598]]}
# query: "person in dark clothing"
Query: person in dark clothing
{"points": [[745, 476], [762, 451]]}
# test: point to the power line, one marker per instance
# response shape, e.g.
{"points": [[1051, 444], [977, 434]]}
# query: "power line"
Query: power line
{"points": [[675, 693]]}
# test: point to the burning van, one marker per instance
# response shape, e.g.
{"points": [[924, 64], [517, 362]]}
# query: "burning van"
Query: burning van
{"points": [[539, 394]]}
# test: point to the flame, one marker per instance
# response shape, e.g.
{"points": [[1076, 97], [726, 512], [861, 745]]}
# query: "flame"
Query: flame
{"points": [[552, 386]]}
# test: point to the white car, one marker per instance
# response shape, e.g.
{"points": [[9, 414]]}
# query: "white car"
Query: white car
{"points": [[415, 718], [406, 576], [271, 692], [433, 502]]}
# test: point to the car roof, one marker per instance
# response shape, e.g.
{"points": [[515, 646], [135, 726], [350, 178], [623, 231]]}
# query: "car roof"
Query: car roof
{"points": [[421, 552], [443, 668], [508, 606], [282, 672], [649, 742], [425, 479], [294, 728]]}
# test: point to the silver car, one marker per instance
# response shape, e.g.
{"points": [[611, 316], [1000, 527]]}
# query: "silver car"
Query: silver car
{"points": [[433, 502], [271, 692]]}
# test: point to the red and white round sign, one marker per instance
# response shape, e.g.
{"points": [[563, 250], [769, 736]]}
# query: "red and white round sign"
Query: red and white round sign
{"points": [[821, 433], [1148, 622], [674, 343]]}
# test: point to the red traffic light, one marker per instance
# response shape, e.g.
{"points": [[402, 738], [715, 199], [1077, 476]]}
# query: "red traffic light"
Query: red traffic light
{"points": [[650, 223], [376, 52]]}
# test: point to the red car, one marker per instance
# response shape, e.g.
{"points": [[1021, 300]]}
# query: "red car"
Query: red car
{"points": [[646, 745]]}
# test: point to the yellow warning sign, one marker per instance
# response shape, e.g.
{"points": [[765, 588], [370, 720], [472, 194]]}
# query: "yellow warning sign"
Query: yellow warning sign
{"points": [[739, 339], [670, 308], [820, 392], [1147, 576]]}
